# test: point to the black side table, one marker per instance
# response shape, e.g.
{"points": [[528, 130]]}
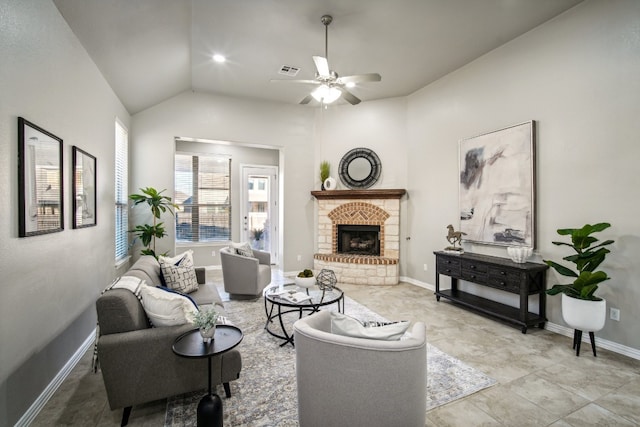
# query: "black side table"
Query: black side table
{"points": [[190, 345]]}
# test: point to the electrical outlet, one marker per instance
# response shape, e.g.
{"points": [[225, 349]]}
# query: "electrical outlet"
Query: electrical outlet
{"points": [[299, 257], [425, 267], [213, 253], [614, 314]]}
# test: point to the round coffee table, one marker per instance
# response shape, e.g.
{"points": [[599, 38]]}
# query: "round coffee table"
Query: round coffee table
{"points": [[190, 345], [276, 305]]}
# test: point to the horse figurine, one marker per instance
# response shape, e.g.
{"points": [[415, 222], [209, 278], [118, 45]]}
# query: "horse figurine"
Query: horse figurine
{"points": [[454, 237]]}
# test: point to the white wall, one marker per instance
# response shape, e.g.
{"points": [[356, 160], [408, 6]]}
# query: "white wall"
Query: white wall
{"points": [[289, 128], [578, 77], [50, 282], [377, 125]]}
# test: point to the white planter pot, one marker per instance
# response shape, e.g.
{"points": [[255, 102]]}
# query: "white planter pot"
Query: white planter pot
{"points": [[584, 315], [305, 282], [208, 334]]}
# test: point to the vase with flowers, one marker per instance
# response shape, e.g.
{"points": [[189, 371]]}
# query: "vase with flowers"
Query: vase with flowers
{"points": [[206, 321]]}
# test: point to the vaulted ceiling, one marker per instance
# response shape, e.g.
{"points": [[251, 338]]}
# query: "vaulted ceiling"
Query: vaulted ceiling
{"points": [[151, 50]]}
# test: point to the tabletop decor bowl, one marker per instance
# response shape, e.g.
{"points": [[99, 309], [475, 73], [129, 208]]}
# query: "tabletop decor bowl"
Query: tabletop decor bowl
{"points": [[519, 254]]}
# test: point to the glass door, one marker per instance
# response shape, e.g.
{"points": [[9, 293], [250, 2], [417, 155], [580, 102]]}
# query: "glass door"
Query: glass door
{"points": [[259, 216]]}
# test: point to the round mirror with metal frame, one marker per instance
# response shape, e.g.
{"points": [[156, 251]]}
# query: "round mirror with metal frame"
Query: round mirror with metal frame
{"points": [[360, 168]]}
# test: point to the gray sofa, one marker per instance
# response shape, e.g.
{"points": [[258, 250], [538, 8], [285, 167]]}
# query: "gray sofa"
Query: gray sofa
{"points": [[359, 382], [245, 277], [136, 360]]}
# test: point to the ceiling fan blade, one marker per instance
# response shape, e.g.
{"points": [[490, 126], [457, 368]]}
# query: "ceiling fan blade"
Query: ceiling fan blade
{"points": [[322, 65], [304, 82], [306, 99], [349, 97], [360, 78]]}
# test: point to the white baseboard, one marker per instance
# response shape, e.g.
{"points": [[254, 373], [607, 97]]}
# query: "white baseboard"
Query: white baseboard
{"points": [[601, 343], [35, 408], [415, 282]]}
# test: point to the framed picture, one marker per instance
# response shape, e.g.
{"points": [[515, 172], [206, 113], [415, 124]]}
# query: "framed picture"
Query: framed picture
{"points": [[497, 186], [83, 188], [39, 180]]}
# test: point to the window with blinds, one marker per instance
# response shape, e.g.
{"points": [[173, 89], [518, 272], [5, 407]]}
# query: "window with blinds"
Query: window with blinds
{"points": [[121, 183], [203, 193]]}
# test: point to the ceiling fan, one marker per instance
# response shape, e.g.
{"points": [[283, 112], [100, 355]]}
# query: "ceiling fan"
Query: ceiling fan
{"points": [[330, 86]]}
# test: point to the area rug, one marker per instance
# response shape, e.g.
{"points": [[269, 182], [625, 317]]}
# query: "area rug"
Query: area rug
{"points": [[266, 395]]}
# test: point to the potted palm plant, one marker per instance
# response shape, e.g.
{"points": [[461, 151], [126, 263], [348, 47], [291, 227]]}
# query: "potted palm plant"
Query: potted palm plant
{"points": [[158, 204], [581, 308]]}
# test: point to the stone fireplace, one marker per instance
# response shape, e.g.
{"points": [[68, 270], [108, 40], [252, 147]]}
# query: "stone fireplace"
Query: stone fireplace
{"points": [[359, 235]]}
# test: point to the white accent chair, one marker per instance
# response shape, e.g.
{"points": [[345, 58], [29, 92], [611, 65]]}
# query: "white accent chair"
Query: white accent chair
{"points": [[245, 277], [359, 382]]}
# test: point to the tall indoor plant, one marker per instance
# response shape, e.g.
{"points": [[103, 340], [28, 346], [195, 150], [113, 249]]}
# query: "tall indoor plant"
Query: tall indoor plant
{"points": [[581, 308], [587, 258], [158, 204]]}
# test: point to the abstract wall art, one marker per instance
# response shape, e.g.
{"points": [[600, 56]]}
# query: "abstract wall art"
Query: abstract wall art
{"points": [[497, 186]]}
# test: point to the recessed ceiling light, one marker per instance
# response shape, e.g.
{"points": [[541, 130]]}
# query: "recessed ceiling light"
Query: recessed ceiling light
{"points": [[350, 84], [219, 58]]}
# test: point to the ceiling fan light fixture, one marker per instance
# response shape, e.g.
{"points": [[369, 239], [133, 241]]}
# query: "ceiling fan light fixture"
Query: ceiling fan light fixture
{"points": [[326, 94]]}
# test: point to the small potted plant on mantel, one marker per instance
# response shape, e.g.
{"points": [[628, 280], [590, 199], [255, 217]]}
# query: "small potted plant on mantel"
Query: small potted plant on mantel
{"points": [[581, 308], [325, 170]]}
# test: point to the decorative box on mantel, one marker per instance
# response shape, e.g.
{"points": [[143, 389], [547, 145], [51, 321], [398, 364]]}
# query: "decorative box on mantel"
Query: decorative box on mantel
{"points": [[359, 235]]}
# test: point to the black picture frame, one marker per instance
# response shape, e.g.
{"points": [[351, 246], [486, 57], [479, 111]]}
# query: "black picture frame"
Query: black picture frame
{"points": [[40, 195], [83, 189]]}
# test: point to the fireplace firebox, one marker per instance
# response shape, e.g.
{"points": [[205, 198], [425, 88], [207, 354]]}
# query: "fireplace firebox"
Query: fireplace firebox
{"points": [[359, 239]]}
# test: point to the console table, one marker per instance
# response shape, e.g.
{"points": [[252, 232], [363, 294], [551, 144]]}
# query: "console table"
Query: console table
{"points": [[498, 273]]}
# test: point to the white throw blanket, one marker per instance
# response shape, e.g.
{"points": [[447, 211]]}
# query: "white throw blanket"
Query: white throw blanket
{"points": [[130, 283]]}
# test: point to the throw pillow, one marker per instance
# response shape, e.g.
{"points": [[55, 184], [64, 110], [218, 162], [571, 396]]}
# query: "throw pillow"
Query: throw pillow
{"points": [[243, 249], [179, 273], [348, 326], [167, 308]]}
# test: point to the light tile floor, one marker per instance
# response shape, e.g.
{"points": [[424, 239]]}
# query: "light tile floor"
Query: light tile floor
{"points": [[540, 380]]}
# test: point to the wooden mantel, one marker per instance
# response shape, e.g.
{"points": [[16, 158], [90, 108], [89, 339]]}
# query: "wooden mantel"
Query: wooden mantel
{"points": [[359, 194]]}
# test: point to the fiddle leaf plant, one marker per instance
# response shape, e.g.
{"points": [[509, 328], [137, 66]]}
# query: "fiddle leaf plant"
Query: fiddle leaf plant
{"points": [[587, 258], [158, 204]]}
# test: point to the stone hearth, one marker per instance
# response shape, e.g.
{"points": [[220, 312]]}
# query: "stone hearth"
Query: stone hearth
{"points": [[359, 207]]}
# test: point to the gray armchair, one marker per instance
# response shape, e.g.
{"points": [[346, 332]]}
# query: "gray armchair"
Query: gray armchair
{"points": [[359, 382], [245, 276]]}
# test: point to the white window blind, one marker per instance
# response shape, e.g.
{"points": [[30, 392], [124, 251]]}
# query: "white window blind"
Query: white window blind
{"points": [[122, 184], [203, 192]]}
